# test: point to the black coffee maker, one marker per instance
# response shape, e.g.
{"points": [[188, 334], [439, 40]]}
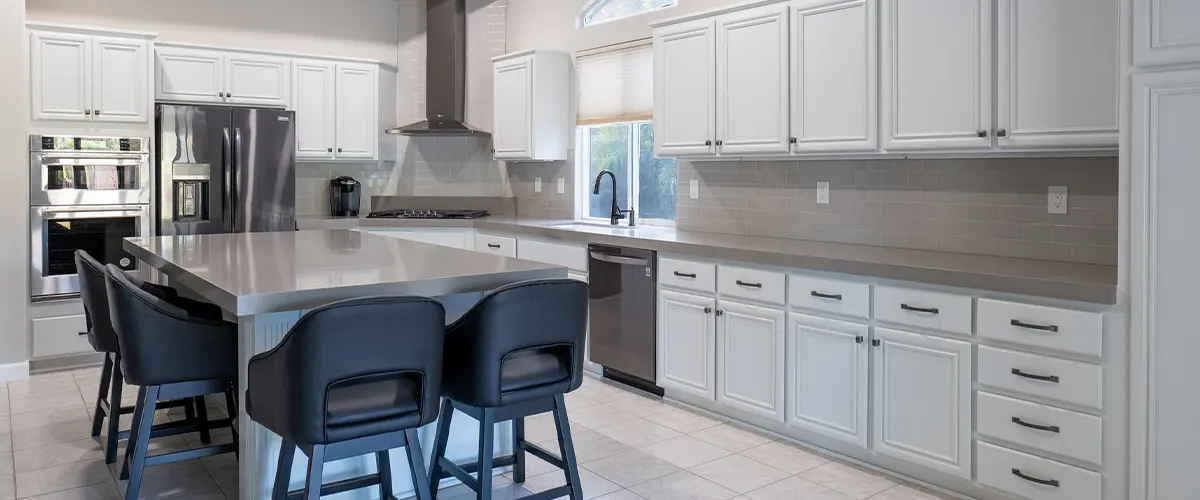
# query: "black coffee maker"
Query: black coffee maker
{"points": [[344, 196]]}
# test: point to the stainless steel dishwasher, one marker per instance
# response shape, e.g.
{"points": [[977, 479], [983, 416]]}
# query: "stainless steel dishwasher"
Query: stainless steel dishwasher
{"points": [[622, 316]]}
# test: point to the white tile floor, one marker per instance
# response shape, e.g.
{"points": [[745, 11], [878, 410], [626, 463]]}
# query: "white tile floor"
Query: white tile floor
{"points": [[629, 447]]}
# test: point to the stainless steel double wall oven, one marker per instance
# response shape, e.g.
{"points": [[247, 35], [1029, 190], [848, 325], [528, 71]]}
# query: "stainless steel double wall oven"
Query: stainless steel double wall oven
{"points": [[85, 193]]}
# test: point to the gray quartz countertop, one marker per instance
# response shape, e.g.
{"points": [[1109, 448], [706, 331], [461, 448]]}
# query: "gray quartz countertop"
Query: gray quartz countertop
{"points": [[257, 273], [1058, 280]]}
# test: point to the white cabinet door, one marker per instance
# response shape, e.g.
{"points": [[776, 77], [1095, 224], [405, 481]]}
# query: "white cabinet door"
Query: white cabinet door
{"points": [[314, 101], [937, 76], [750, 359], [835, 91], [1166, 32], [827, 372], [357, 127], [512, 134], [453, 238], [60, 76], [257, 80], [687, 343], [1057, 74], [685, 95], [120, 69], [190, 75], [752, 81], [923, 400]]}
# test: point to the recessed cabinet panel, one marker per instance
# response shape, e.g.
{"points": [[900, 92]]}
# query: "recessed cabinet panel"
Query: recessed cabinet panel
{"points": [[357, 127], [1166, 32], [193, 75], [827, 369], [314, 101], [834, 76], [684, 89], [752, 81], [750, 359], [119, 80], [257, 80], [513, 136], [61, 76], [687, 343]]}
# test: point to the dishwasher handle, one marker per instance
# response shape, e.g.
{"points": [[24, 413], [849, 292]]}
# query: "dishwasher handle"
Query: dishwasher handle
{"points": [[617, 259]]}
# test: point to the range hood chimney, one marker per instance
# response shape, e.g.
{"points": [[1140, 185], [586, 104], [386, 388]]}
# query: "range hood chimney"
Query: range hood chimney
{"points": [[445, 73]]}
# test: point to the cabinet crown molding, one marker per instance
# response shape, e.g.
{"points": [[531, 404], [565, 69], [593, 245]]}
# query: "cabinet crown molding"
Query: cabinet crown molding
{"points": [[88, 30], [276, 53], [707, 14]]}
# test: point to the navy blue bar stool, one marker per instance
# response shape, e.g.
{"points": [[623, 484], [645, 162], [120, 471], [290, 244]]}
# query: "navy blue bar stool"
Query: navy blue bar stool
{"points": [[514, 354], [170, 355], [351, 378]]}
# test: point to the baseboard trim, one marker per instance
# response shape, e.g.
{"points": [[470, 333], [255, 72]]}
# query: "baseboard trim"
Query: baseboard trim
{"points": [[14, 371]]}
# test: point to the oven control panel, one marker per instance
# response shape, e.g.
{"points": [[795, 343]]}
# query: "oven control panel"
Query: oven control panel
{"points": [[70, 143]]}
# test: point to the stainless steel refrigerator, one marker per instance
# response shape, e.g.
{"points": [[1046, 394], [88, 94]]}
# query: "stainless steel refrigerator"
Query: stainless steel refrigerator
{"points": [[224, 170]]}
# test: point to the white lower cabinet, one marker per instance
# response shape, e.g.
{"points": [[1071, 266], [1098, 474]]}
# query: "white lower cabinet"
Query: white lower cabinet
{"points": [[922, 392], [750, 359], [827, 371], [687, 343]]}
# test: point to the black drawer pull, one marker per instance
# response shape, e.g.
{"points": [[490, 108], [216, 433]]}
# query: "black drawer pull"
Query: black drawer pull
{"points": [[1047, 428], [685, 275], [493, 245], [83, 334], [1047, 482], [929, 310], [1031, 326], [834, 296], [1043, 378], [751, 285]]}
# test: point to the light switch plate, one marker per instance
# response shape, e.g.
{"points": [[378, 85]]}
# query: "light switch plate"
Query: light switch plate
{"points": [[694, 189], [823, 193], [1056, 202], [562, 186], [537, 185]]}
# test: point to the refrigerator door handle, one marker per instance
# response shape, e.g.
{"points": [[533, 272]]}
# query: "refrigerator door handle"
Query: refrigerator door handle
{"points": [[227, 163], [237, 167]]}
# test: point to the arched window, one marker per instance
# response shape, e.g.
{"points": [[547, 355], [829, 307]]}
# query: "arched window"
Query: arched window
{"points": [[601, 11]]}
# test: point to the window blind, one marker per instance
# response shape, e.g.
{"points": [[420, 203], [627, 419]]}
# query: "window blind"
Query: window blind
{"points": [[615, 83]]}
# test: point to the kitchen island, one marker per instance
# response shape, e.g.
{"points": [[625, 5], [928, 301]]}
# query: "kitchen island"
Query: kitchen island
{"points": [[268, 280]]}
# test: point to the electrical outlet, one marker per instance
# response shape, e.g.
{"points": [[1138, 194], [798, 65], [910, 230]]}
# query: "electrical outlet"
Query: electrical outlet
{"points": [[562, 186], [694, 189], [1056, 202], [823, 193], [537, 185]]}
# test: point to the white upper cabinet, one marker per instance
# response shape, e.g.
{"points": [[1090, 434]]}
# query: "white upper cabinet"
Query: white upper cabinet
{"points": [[357, 125], [257, 80], [937, 74], [687, 343], [685, 97], [752, 81], [189, 75], [1057, 74], [827, 371], [314, 101], [80, 77], [1166, 32], [750, 359], [834, 96], [531, 99], [922, 391]]}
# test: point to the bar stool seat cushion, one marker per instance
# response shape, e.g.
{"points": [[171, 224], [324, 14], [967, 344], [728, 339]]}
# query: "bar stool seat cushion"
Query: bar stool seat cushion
{"points": [[374, 400], [532, 368]]}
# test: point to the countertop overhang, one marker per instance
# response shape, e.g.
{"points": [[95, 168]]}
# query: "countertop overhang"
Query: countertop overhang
{"points": [[1089, 283]]}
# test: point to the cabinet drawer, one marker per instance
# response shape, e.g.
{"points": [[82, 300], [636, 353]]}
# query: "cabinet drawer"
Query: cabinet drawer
{"points": [[932, 310], [846, 298], [59, 335], [1058, 431], [1019, 473], [498, 245], [1046, 327], [1042, 376], [687, 274], [570, 256], [753, 284]]}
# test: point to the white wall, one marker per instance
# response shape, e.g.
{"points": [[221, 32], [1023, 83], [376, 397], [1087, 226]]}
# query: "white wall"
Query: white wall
{"points": [[14, 182], [550, 24], [347, 28]]}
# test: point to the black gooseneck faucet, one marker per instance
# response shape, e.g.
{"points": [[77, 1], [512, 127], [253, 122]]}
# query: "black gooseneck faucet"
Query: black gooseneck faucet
{"points": [[617, 214]]}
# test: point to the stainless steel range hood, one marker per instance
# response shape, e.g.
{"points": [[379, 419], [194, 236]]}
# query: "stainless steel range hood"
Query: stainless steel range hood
{"points": [[445, 73]]}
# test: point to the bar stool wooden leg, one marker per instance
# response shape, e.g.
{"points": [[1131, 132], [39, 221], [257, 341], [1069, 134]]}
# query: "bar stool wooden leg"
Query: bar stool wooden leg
{"points": [[518, 451], [100, 412], [283, 470], [439, 447], [566, 447], [116, 387], [202, 415], [133, 432], [141, 444], [416, 464], [487, 438], [316, 468], [383, 462]]}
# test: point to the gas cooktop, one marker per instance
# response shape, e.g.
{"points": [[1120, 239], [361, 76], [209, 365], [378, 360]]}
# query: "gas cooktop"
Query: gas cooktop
{"points": [[407, 213]]}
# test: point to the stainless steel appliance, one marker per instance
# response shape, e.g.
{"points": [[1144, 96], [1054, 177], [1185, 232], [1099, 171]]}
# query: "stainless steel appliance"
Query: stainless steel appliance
{"points": [[622, 301], [408, 213], [86, 193], [222, 170], [345, 194]]}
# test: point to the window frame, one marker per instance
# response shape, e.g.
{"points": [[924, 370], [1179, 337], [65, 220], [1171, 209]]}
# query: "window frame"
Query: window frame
{"points": [[593, 5], [583, 172]]}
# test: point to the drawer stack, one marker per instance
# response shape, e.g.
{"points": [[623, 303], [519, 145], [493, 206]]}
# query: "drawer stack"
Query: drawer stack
{"points": [[1039, 423]]}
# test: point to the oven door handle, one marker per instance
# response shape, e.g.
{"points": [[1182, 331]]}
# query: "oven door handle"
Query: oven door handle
{"points": [[95, 156], [105, 210]]}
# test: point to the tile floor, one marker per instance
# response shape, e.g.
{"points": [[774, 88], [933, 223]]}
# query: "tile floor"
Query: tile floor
{"points": [[630, 448]]}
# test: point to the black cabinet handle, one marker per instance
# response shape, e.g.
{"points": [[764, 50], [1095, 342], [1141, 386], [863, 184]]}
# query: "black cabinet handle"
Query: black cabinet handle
{"points": [[1047, 482], [87, 111], [859, 339], [708, 143], [875, 342], [1043, 378], [1046, 428], [720, 312], [981, 133], [493, 245], [1031, 326], [684, 275], [97, 112], [929, 310], [720, 142], [339, 150], [229, 94], [834, 296], [83, 334], [1001, 133], [751, 285], [221, 94], [707, 310], [330, 150], [792, 140]]}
